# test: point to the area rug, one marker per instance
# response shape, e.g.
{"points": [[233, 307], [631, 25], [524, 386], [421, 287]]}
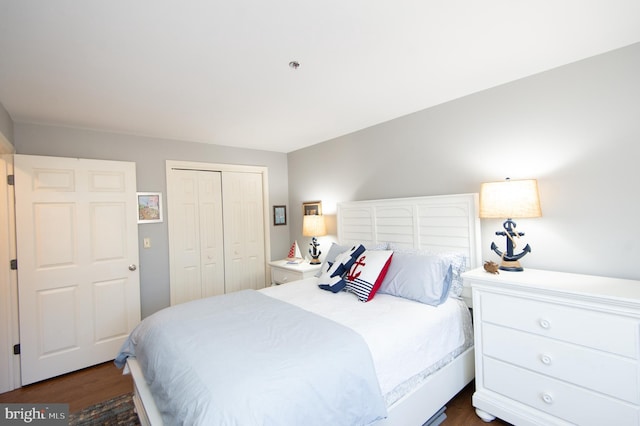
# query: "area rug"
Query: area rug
{"points": [[115, 411]]}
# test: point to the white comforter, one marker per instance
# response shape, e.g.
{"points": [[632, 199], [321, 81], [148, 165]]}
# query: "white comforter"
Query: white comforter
{"points": [[405, 337], [248, 359]]}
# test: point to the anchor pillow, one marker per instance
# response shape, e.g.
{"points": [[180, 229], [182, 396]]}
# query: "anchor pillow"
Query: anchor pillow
{"points": [[332, 277], [367, 272]]}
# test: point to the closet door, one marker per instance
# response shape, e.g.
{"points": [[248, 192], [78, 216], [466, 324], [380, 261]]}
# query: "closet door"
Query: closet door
{"points": [[195, 232], [244, 231]]}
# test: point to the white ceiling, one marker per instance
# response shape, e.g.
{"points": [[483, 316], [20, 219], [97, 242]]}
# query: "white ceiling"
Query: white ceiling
{"points": [[217, 71]]}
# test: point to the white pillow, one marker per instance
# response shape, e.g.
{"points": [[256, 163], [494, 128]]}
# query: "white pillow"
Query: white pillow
{"points": [[458, 261], [423, 278], [366, 274]]}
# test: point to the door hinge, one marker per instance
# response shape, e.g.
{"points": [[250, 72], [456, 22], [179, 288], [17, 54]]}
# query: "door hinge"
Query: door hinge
{"points": [[13, 264], [10, 179], [16, 349]]}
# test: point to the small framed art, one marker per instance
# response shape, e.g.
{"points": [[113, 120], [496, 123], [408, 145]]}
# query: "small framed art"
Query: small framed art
{"points": [[279, 215], [149, 207], [312, 208]]}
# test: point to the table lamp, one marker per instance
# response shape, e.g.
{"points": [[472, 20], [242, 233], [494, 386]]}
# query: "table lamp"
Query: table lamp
{"points": [[510, 199], [313, 226]]}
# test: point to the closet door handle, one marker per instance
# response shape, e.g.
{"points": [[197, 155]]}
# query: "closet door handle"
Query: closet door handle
{"points": [[132, 267]]}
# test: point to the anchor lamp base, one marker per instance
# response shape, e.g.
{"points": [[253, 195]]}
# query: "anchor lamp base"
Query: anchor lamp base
{"points": [[510, 261], [511, 265], [314, 252]]}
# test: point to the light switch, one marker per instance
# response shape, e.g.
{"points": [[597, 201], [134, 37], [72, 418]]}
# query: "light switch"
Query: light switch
{"points": [[146, 243]]}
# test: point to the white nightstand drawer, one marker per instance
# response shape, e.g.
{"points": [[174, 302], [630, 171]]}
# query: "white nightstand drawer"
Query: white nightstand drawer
{"points": [[284, 272], [610, 333], [281, 276], [611, 374], [560, 399]]}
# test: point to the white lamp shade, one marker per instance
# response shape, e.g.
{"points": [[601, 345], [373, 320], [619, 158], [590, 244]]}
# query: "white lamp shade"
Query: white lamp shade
{"points": [[313, 226], [510, 199]]}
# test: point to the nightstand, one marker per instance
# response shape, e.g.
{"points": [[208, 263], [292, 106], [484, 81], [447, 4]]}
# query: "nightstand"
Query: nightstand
{"points": [[283, 272], [556, 348]]}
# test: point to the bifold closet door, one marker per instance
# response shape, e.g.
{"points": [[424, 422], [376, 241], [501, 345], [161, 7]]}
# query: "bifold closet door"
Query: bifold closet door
{"points": [[196, 235], [243, 230]]}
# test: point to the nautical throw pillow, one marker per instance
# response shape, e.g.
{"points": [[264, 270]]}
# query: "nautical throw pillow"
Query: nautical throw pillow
{"points": [[331, 281], [332, 277], [367, 272], [334, 251]]}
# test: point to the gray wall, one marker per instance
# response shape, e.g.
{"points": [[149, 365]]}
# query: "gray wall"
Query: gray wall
{"points": [[6, 125], [150, 154], [575, 128]]}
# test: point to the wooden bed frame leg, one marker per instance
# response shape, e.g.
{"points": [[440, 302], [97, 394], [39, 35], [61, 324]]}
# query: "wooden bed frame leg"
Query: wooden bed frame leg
{"points": [[484, 416]]}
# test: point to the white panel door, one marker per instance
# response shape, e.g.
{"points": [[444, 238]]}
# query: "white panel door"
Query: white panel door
{"points": [[243, 231], [197, 255], [78, 284]]}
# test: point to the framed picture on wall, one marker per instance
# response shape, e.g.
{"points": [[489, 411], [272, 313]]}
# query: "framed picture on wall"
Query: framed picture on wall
{"points": [[149, 207], [279, 215], [312, 208]]}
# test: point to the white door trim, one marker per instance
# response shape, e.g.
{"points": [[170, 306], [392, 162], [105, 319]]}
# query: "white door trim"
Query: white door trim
{"points": [[9, 328], [219, 167]]}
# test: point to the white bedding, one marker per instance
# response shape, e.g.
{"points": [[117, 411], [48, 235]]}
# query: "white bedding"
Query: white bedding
{"points": [[406, 338], [245, 358]]}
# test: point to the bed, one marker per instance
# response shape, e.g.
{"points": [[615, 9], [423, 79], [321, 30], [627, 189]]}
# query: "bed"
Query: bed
{"points": [[375, 369]]}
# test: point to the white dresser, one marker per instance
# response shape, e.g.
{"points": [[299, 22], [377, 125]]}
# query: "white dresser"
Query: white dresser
{"points": [[556, 348]]}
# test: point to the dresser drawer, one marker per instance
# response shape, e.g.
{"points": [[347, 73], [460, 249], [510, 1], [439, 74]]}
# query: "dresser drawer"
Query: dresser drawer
{"points": [[281, 276], [568, 402], [601, 371], [610, 333]]}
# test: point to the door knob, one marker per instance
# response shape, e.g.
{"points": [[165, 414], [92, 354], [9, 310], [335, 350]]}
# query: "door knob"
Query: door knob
{"points": [[132, 267]]}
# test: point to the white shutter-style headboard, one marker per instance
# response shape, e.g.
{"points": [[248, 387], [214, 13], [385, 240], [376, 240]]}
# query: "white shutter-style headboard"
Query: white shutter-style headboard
{"points": [[437, 223]]}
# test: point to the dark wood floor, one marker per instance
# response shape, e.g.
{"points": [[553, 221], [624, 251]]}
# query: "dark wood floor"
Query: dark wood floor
{"points": [[92, 385], [460, 412], [79, 389]]}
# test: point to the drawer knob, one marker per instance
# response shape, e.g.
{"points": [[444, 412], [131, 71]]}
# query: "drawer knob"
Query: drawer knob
{"points": [[548, 399], [545, 324], [546, 359]]}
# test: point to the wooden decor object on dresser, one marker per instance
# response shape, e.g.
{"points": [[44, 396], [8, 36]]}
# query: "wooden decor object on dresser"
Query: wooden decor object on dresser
{"points": [[556, 348], [283, 272]]}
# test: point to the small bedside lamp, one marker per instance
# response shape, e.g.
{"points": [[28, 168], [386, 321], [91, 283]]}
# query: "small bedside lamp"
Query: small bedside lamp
{"points": [[313, 226], [507, 200]]}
